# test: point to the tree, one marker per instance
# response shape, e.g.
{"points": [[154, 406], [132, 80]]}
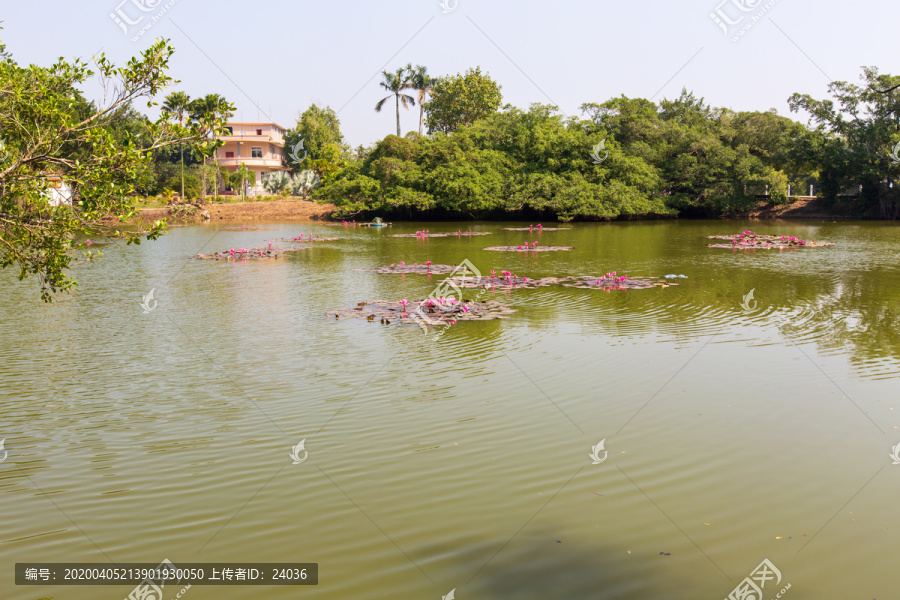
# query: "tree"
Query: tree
{"points": [[177, 105], [461, 100], [50, 135], [242, 178], [395, 83], [210, 114], [423, 83], [320, 131], [861, 128]]}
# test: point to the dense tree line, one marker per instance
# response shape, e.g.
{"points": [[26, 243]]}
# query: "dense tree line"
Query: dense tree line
{"points": [[626, 157]]}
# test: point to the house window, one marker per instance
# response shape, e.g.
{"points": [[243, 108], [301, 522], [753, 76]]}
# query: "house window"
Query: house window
{"points": [[256, 152], [229, 155], [259, 132], [230, 130]]}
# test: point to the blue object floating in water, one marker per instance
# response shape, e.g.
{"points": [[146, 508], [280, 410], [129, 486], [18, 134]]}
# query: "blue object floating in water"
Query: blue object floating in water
{"points": [[675, 276]]}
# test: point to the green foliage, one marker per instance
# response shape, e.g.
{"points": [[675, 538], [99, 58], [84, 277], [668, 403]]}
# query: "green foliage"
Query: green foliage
{"points": [[423, 83], [461, 100], [303, 183], [857, 131], [320, 131], [278, 183], [242, 178], [184, 210], [102, 154], [395, 83]]}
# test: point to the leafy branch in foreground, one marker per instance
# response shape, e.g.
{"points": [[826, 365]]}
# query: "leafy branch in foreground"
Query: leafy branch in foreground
{"points": [[49, 134]]}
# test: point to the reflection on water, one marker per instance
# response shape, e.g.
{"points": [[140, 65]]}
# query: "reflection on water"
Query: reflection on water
{"points": [[733, 434]]}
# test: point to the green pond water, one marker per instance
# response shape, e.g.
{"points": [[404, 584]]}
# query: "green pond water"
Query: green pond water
{"points": [[463, 463]]}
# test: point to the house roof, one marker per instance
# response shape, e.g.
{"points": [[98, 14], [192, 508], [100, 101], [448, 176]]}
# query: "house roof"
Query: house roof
{"points": [[230, 123]]}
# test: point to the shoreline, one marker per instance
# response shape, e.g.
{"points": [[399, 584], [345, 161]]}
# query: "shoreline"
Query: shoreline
{"points": [[305, 210], [233, 211]]}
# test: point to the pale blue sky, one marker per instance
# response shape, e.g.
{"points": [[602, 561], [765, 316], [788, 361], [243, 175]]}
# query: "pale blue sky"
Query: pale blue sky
{"points": [[286, 55]]}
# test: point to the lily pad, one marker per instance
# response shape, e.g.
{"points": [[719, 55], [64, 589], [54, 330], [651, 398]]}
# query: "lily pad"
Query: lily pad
{"points": [[525, 248], [538, 229], [397, 269], [238, 254], [503, 282], [429, 311], [617, 283], [441, 235], [753, 241], [299, 240]]}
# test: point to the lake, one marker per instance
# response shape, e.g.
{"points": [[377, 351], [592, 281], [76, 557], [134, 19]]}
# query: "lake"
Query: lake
{"points": [[731, 435]]}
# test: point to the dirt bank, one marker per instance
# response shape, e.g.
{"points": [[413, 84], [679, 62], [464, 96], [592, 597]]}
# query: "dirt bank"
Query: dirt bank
{"points": [[244, 211], [805, 207]]}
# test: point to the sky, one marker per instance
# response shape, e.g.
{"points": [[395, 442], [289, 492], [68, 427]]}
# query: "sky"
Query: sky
{"points": [[274, 59]]}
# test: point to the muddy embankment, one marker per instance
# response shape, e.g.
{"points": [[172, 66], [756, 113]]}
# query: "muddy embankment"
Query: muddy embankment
{"points": [[240, 211], [804, 207]]}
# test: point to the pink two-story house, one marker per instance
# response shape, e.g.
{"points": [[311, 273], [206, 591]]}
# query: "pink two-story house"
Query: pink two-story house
{"points": [[260, 146]]}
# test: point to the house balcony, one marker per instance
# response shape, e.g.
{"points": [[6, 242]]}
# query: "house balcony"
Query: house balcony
{"points": [[270, 163], [251, 139]]}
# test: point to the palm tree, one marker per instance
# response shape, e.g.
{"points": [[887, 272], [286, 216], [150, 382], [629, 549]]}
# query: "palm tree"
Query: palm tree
{"points": [[423, 83], [177, 104], [395, 83], [209, 112]]}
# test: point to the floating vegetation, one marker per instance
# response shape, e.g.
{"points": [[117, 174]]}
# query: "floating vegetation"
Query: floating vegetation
{"points": [[537, 228], [508, 281], [428, 234], [749, 240], [528, 247], [437, 311], [234, 254], [504, 281], [426, 269], [622, 282], [309, 238]]}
